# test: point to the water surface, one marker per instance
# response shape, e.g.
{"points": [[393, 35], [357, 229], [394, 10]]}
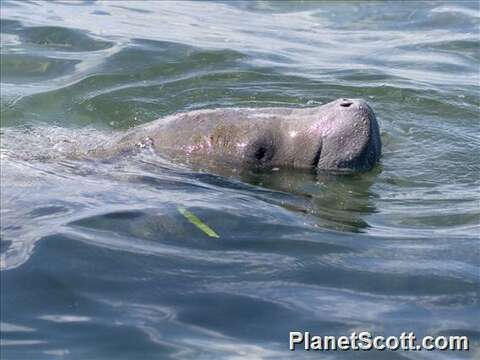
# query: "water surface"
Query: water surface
{"points": [[98, 263]]}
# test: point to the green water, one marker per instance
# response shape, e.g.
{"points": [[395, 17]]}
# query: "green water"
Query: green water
{"points": [[97, 261]]}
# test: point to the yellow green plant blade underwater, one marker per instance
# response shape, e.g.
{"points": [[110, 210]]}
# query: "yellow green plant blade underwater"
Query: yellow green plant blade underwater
{"points": [[197, 222]]}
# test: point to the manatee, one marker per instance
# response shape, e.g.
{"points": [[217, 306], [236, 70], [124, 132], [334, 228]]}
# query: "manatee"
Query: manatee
{"points": [[342, 135]]}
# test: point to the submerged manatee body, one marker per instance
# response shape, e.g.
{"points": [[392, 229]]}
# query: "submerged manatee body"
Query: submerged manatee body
{"points": [[340, 135]]}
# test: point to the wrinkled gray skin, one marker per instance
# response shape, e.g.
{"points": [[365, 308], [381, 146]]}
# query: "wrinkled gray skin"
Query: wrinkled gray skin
{"points": [[340, 135]]}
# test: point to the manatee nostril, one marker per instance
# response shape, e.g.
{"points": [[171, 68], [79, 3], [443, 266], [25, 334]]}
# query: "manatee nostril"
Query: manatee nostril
{"points": [[346, 103]]}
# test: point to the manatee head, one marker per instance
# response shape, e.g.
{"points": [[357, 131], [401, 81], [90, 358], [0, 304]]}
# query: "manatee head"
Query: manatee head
{"points": [[350, 137], [342, 135]]}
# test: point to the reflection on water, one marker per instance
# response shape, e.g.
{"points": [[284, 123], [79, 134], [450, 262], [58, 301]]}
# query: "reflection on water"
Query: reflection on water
{"points": [[97, 261]]}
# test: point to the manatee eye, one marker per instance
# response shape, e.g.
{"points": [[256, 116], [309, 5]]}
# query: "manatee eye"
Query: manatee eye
{"points": [[260, 153], [263, 153], [261, 150]]}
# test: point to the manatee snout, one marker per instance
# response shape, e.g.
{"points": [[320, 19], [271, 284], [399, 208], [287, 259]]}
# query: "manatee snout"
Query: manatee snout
{"points": [[350, 136]]}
